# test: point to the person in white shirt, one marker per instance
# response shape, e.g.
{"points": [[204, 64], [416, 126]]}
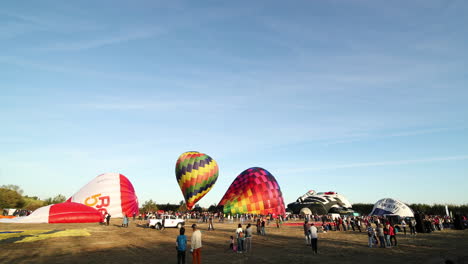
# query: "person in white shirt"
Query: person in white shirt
{"points": [[314, 237], [240, 238], [196, 245]]}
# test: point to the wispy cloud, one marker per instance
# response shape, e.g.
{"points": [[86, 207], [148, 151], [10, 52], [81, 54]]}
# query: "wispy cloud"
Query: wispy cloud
{"points": [[103, 41], [376, 164]]}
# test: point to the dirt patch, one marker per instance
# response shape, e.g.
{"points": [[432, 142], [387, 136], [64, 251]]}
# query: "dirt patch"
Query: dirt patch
{"points": [[137, 244]]}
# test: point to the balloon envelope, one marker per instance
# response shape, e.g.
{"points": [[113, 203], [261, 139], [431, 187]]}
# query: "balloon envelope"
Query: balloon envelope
{"points": [[109, 192], [391, 206], [67, 212], [254, 191], [196, 175]]}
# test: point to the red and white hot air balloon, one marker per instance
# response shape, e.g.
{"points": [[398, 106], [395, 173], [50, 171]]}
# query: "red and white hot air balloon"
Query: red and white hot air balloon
{"points": [[109, 192], [60, 213]]}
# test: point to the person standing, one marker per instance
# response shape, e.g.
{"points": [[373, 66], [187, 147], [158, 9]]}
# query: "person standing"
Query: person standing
{"points": [[314, 238], [412, 226], [370, 234], [263, 227], [108, 217], [240, 238], [403, 225], [196, 245], [248, 238], [381, 235], [259, 227], [125, 221], [307, 232], [392, 233], [181, 246]]}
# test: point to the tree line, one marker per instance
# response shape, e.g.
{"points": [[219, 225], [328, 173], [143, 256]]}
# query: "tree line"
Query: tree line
{"points": [[435, 209], [11, 196]]}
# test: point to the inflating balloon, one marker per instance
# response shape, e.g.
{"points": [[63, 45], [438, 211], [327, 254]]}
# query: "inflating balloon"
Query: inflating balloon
{"points": [[254, 191], [109, 192], [196, 174], [67, 212], [391, 206]]}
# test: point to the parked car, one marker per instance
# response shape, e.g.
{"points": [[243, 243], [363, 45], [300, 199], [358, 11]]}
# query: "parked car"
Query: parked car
{"points": [[169, 221]]}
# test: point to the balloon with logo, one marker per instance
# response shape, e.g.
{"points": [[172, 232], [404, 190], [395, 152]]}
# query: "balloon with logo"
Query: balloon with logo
{"points": [[196, 175], [254, 191], [109, 193]]}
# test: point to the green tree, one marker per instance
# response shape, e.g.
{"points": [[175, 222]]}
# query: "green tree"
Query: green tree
{"points": [[57, 199], [10, 199], [149, 205], [32, 204], [13, 187]]}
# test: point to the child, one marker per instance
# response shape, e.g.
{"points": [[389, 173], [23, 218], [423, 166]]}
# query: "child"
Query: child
{"points": [[231, 243], [181, 245]]}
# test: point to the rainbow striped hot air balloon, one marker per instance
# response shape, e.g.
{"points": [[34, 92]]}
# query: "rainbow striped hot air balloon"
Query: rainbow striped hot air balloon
{"points": [[196, 174], [254, 191]]}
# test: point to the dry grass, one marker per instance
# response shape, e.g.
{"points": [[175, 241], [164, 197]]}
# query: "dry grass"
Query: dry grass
{"points": [[136, 244]]}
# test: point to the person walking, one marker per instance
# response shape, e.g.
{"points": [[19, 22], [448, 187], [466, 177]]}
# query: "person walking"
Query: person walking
{"points": [[314, 238], [248, 238], [196, 245], [307, 233], [210, 223], [240, 238], [181, 246]]}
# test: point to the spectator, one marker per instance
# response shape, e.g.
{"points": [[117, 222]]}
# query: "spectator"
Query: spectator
{"points": [[240, 238], [314, 238], [108, 217], [181, 246], [196, 245], [381, 235], [248, 238], [403, 225], [392, 233], [370, 235], [307, 233]]}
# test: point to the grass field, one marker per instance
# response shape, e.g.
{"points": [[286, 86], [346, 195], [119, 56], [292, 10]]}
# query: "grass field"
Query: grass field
{"points": [[94, 243]]}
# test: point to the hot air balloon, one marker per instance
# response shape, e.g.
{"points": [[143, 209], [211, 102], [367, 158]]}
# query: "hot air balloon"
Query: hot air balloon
{"points": [[109, 192], [196, 174], [254, 191], [67, 212], [392, 207]]}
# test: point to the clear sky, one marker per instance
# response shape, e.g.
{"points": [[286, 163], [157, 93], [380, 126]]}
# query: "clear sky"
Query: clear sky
{"points": [[366, 98]]}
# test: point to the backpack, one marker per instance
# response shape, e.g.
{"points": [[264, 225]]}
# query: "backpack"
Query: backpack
{"points": [[241, 235]]}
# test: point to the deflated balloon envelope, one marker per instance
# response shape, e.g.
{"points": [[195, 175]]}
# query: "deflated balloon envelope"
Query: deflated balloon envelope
{"points": [[196, 174], [254, 191], [109, 192]]}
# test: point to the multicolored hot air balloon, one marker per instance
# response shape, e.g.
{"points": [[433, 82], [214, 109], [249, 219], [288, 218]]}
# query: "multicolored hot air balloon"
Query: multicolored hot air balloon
{"points": [[196, 174], [109, 192], [254, 191]]}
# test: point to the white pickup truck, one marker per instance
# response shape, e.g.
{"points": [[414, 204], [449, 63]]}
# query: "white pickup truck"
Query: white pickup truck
{"points": [[169, 221]]}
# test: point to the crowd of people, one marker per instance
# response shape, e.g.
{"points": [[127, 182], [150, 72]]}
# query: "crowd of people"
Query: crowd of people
{"points": [[381, 232]]}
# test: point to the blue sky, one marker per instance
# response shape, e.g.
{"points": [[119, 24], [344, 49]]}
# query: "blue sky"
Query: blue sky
{"points": [[366, 98]]}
